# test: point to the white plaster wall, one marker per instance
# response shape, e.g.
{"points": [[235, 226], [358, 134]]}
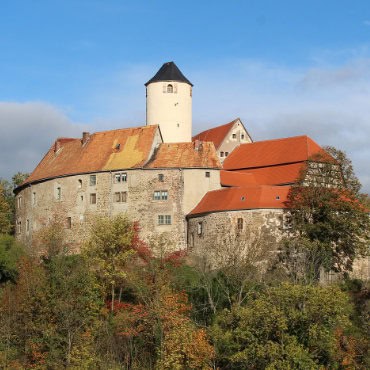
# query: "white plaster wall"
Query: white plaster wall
{"points": [[230, 143], [196, 185], [171, 111]]}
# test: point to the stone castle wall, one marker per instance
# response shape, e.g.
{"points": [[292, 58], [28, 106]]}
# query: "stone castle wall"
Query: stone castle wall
{"points": [[71, 200], [222, 236]]}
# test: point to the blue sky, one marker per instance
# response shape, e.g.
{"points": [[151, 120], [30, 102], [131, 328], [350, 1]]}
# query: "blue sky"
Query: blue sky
{"points": [[284, 67]]}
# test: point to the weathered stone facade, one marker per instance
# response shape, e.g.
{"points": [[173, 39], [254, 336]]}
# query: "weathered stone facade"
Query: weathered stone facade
{"points": [[78, 199], [243, 231]]}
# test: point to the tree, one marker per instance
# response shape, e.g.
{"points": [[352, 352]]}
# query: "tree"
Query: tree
{"points": [[10, 252], [285, 327], [7, 202], [5, 212], [109, 248], [330, 224]]}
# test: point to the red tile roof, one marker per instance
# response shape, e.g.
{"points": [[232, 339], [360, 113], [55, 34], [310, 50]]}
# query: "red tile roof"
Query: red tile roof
{"points": [[107, 150], [234, 178], [184, 155], [275, 175], [272, 152], [251, 197], [216, 134]]}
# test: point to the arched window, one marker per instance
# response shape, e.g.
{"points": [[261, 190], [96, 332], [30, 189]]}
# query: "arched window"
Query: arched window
{"points": [[169, 88]]}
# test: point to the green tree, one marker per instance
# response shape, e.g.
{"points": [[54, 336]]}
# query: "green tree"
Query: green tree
{"points": [[5, 212], [284, 327], [109, 248], [7, 202], [10, 252]]}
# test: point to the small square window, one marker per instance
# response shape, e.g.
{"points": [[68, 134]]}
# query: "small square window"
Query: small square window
{"points": [[92, 180], [226, 154], [234, 136], [221, 154], [120, 197], [164, 219], [208, 174], [93, 198], [242, 136], [120, 177], [160, 177]]}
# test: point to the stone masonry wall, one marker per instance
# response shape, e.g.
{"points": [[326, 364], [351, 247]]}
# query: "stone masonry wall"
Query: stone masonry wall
{"points": [[71, 197], [217, 238]]}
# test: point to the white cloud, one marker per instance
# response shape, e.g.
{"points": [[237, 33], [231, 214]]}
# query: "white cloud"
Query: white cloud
{"points": [[330, 104], [26, 132]]}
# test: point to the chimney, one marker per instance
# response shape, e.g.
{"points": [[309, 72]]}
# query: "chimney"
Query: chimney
{"points": [[198, 145], [57, 145], [85, 137]]}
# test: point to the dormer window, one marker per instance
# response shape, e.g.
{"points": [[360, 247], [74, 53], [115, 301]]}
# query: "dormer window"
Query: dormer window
{"points": [[170, 88]]}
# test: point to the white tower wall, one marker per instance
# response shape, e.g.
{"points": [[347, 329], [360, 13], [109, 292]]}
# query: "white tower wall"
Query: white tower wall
{"points": [[172, 111]]}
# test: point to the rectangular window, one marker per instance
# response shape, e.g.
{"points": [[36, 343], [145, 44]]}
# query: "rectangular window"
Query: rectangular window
{"points": [[221, 154], [200, 228], [92, 198], [33, 198], [19, 202], [240, 224], [59, 193], [120, 177], [226, 154], [92, 180], [27, 225], [160, 177], [19, 227], [242, 136], [79, 183], [69, 223], [234, 136], [120, 197], [164, 220], [160, 195], [208, 174]]}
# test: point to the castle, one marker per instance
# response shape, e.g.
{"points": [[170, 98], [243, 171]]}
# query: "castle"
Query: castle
{"points": [[218, 183]]}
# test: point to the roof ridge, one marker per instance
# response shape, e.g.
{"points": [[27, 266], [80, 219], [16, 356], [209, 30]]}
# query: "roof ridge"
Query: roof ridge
{"points": [[126, 129], [279, 139]]}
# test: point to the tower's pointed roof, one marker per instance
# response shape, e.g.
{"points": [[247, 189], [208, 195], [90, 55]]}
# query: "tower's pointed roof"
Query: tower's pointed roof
{"points": [[169, 72]]}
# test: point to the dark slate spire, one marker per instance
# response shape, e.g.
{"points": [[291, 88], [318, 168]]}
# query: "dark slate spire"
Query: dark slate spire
{"points": [[169, 72]]}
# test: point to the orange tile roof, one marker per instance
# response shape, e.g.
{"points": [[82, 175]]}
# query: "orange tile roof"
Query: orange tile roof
{"points": [[184, 155], [234, 178], [275, 175], [251, 197], [216, 134], [100, 153], [272, 152]]}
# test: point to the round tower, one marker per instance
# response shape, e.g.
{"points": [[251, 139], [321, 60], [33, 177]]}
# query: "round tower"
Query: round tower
{"points": [[169, 103]]}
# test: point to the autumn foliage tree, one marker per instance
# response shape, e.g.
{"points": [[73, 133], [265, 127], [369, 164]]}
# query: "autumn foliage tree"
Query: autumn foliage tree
{"points": [[330, 224]]}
